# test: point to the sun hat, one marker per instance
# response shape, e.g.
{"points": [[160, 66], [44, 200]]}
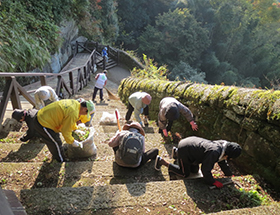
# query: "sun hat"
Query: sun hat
{"points": [[147, 99], [134, 125], [172, 112], [90, 107], [233, 150]]}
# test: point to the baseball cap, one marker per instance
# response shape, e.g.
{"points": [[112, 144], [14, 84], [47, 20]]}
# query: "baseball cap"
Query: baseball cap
{"points": [[90, 107], [233, 150], [18, 114], [172, 112]]}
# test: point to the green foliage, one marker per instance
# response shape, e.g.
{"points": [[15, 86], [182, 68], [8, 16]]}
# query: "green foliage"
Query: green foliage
{"points": [[29, 33], [176, 37], [151, 70], [134, 16], [183, 72]]}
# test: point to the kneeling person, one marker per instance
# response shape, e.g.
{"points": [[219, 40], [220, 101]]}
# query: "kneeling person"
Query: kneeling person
{"points": [[129, 146], [193, 151]]}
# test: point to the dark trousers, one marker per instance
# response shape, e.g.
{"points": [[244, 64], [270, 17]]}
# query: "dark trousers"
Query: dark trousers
{"points": [[95, 92], [183, 169], [168, 127], [131, 109], [51, 139]]}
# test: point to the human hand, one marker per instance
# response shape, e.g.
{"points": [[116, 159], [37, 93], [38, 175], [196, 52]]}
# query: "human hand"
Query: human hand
{"points": [[77, 144], [194, 126], [165, 132], [218, 184], [79, 132]]}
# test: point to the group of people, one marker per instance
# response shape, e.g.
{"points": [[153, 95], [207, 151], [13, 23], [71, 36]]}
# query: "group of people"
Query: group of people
{"points": [[191, 152], [53, 116]]}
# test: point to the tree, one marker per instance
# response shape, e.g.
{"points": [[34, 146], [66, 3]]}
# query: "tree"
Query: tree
{"points": [[183, 72], [176, 37]]}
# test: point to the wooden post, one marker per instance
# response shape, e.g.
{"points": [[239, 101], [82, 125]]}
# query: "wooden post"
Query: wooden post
{"points": [[43, 80]]}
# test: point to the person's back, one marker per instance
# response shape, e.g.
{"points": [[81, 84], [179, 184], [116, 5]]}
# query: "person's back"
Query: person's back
{"points": [[130, 150], [44, 96]]}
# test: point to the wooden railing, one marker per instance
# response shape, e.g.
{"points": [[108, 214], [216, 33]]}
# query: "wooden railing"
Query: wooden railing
{"points": [[71, 81]]}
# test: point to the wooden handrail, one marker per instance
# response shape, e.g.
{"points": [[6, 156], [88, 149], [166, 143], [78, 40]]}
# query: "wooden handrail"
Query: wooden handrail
{"points": [[13, 89]]}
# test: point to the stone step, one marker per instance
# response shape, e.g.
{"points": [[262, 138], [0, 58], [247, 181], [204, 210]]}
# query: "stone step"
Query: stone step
{"points": [[75, 174], [85, 199], [36, 151], [156, 197]]}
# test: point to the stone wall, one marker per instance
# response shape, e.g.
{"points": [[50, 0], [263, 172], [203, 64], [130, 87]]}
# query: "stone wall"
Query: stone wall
{"points": [[127, 60], [250, 117], [69, 32]]}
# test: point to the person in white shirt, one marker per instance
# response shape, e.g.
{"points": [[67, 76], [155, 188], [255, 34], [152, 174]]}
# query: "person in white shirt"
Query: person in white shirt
{"points": [[44, 96], [101, 81], [139, 103]]}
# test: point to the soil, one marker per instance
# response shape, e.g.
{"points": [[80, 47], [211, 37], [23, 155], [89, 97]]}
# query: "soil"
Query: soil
{"points": [[248, 191]]}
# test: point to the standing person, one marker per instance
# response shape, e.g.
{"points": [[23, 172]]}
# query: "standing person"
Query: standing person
{"points": [[193, 151], [139, 103], [27, 116], [101, 81], [170, 110], [60, 116], [105, 54], [138, 157], [44, 96]]}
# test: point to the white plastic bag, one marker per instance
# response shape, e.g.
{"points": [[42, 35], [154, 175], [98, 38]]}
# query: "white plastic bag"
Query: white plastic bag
{"points": [[108, 119], [89, 149]]}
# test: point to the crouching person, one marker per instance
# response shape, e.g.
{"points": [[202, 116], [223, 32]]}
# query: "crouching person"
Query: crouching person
{"points": [[60, 116], [28, 116], [193, 151], [129, 146]]}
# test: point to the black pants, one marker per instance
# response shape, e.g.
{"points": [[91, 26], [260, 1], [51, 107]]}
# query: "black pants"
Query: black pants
{"points": [[95, 92], [183, 169], [52, 140], [131, 109], [168, 127]]}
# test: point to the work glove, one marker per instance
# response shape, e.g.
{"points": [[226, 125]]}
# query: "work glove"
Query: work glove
{"points": [[79, 132], [165, 132], [77, 144], [218, 184]]}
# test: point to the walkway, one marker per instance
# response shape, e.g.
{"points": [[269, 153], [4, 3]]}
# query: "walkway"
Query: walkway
{"points": [[115, 75]]}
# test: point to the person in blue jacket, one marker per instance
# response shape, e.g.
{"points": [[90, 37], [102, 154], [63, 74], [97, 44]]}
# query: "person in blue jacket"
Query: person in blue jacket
{"points": [[104, 53]]}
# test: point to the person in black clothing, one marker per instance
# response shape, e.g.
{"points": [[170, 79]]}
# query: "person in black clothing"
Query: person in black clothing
{"points": [[28, 116], [193, 151]]}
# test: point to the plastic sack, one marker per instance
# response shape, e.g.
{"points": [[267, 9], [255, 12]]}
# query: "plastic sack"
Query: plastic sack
{"points": [[108, 119], [89, 149]]}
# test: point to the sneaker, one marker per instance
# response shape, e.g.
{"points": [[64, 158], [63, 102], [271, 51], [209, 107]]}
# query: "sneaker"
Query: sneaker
{"points": [[102, 100], [174, 153], [157, 163]]}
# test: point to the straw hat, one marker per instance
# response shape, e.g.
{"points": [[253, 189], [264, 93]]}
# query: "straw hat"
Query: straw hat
{"points": [[134, 125]]}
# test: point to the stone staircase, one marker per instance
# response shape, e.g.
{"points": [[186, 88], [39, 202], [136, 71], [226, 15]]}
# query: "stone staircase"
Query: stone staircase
{"points": [[98, 185]]}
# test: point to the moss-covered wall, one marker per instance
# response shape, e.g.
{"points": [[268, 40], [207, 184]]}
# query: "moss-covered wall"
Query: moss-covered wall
{"points": [[127, 60], [250, 117]]}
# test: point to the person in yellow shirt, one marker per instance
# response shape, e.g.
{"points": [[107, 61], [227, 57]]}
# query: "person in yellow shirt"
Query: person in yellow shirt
{"points": [[60, 116]]}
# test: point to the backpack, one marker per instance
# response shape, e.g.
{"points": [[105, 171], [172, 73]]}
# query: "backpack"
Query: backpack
{"points": [[131, 148]]}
